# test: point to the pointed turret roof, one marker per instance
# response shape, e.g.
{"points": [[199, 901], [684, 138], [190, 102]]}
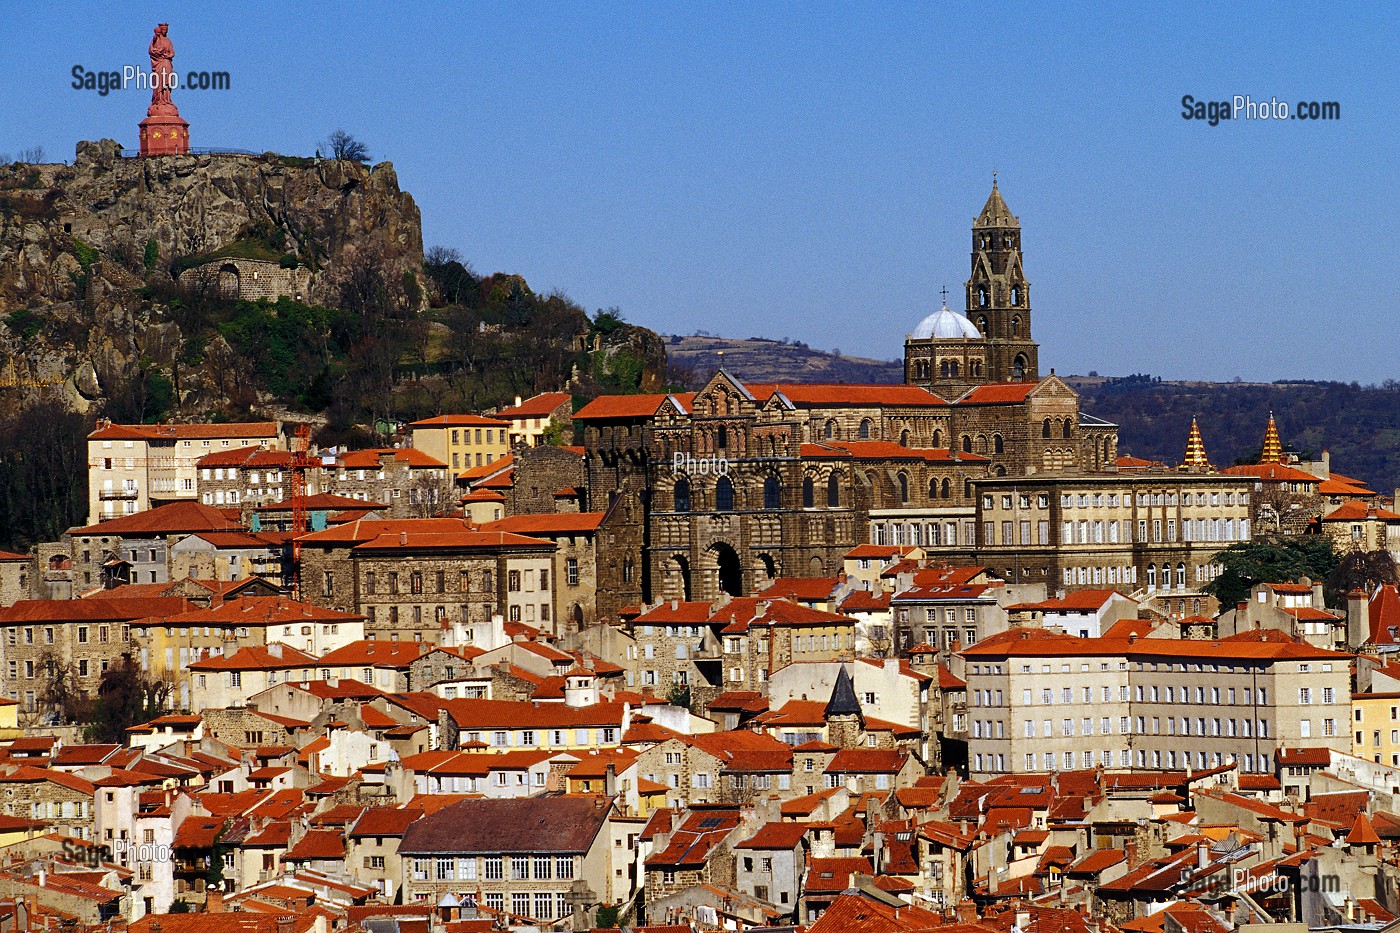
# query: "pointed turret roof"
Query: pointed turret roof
{"points": [[995, 213], [1362, 833], [1273, 447], [1195, 458], [843, 700]]}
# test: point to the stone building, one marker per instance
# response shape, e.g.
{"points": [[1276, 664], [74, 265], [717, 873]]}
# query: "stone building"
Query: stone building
{"points": [[83, 637], [410, 482], [234, 279], [16, 577], [575, 536], [411, 578], [249, 476], [547, 479], [738, 484]]}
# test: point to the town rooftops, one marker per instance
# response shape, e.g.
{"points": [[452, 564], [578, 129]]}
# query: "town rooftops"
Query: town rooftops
{"points": [[537, 406], [1029, 642], [459, 421], [1080, 601], [91, 610], [255, 611], [615, 407], [551, 523], [248, 458], [1355, 511], [158, 432], [362, 530], [451, 541], [370, 459], [176, 518], [526, 824]]}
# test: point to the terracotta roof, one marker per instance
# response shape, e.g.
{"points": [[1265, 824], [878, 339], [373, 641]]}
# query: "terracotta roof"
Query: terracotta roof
{"points": [[1354, 511], [696, 838], [373, 652], [273, 657], [318, 844], [560, 523], [1028, 642], [459, 421], [249, 458], [776, 836], [176, 518], [1080, 600], [999, 393], [384, 821], [198, 832], [91, 610], [607, 407], [455, 540], [370, 459], [867, 761], [368, 529], [1272, 472], [846, 395], [536, 406], [258, 611], [185, 431]]}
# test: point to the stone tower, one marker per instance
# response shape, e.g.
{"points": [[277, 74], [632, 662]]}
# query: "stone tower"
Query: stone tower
{"points": [[998, 295], [845, 723]]}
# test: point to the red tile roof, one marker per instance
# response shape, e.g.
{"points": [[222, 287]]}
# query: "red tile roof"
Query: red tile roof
{"points": [[557, 523], [536, 406], [257, 611], [369, 459], [368, 529], [999, 393], [1354, 511], [176, 518], [776, 836], [373, 652], [92, 609], [453, 541], [1271, 472], [248, 458], [274, 657], [608, 407], [318, 844], [153, 432], [459, 421]]}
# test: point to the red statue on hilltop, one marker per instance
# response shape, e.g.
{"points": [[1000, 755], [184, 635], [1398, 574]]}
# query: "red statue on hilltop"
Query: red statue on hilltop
{"points": [[163, 132]]}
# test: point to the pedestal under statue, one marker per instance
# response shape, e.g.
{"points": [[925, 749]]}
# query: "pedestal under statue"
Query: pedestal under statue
{"points": [[163, 132]]}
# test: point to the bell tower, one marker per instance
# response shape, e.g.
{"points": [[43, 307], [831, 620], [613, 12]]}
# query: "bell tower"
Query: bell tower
{"points": [[998, 295]]}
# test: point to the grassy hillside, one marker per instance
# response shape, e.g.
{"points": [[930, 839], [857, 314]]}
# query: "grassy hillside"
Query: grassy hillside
{"points": [[760, 359]]}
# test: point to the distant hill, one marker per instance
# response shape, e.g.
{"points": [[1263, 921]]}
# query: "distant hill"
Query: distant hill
{"points": [[762, 360], [1359, 425]]}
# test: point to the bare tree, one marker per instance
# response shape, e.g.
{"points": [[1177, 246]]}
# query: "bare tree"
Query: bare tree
{"points": [[34, 155], [429, 495], [344, 147]]}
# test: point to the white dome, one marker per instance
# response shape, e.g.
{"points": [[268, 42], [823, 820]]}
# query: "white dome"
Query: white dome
{"points": [[945, 324]]}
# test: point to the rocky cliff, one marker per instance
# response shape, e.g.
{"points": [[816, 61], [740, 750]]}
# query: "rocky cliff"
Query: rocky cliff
{"points": [[86, 249]]}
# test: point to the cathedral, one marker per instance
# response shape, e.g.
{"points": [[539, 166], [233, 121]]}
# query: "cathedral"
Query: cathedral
{"points": [[724, 489]]}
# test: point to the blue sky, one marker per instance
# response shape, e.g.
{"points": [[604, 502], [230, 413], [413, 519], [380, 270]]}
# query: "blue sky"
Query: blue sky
{"points": [[811, 170]]}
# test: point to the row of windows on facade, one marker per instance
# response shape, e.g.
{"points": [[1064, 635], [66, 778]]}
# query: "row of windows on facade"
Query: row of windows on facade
{"points": [[460, 461], [81, 635], [1204, 573], [82, 666], [1216, 726], [541, 738], [417, 615], [686, 501], [1142, 499], [493, 868], [517, 581], [1156, 759]]}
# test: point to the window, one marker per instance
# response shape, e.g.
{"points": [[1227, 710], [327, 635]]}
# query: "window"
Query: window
{"points": [[571, 571], [682, 495], [724, 495], [772, 493]]}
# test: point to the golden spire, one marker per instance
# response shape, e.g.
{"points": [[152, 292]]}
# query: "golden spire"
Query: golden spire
{"points": [[1195, 458], [1273, 447]]}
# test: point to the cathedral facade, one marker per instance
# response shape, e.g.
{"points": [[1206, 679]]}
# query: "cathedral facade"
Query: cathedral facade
{"points": [[725, 489]]}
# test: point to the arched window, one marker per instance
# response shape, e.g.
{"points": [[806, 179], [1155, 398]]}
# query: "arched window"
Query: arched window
{"points": [[933, 488], [1000, 470], [1015, 321], [1151, 576], [947, 489], [809, 493], [903, 481], [1068, 428], [937, 438], [1015, 300], [1045, 428], [981, 443], [982, 324], [864, 432], [997, 444], [974, 368], [833, 491], [943, 367], [829, 430], [981, 296], [724, 495], [1018, 369], [904, 438], [682, 495], [953, 368], [1181, 575], [967, 443], [772, 493], [722, 438]]}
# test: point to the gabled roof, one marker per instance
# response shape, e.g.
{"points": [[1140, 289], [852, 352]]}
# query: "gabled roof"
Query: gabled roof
{"points": [[459, 421], [1355, 511], [370, 459], [181, 517], [363, 530], [610, 407], [91, 610], [536, 406], [1272, 472], [555, 523], [999, 393], [259, 610]]}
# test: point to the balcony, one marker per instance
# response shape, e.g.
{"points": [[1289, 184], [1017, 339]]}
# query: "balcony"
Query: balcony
{"points": [[109, 494]]}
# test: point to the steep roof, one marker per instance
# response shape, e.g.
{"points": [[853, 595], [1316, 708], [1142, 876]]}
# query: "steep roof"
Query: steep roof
{"points": [[843, 700], [995, 213], [534, 824], [536, 406], [609, 407]]}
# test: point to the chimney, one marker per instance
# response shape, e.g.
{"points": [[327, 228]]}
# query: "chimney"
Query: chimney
{"points": [[284, 924], [1130, 849], [155, 926], [214, 900], [610, 779], [967, 911], [1202, 855], [403, 539]]}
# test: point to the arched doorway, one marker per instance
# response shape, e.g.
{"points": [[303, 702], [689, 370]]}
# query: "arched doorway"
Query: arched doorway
{"points": [[730, 573], [677, 582], [766, 571]]}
